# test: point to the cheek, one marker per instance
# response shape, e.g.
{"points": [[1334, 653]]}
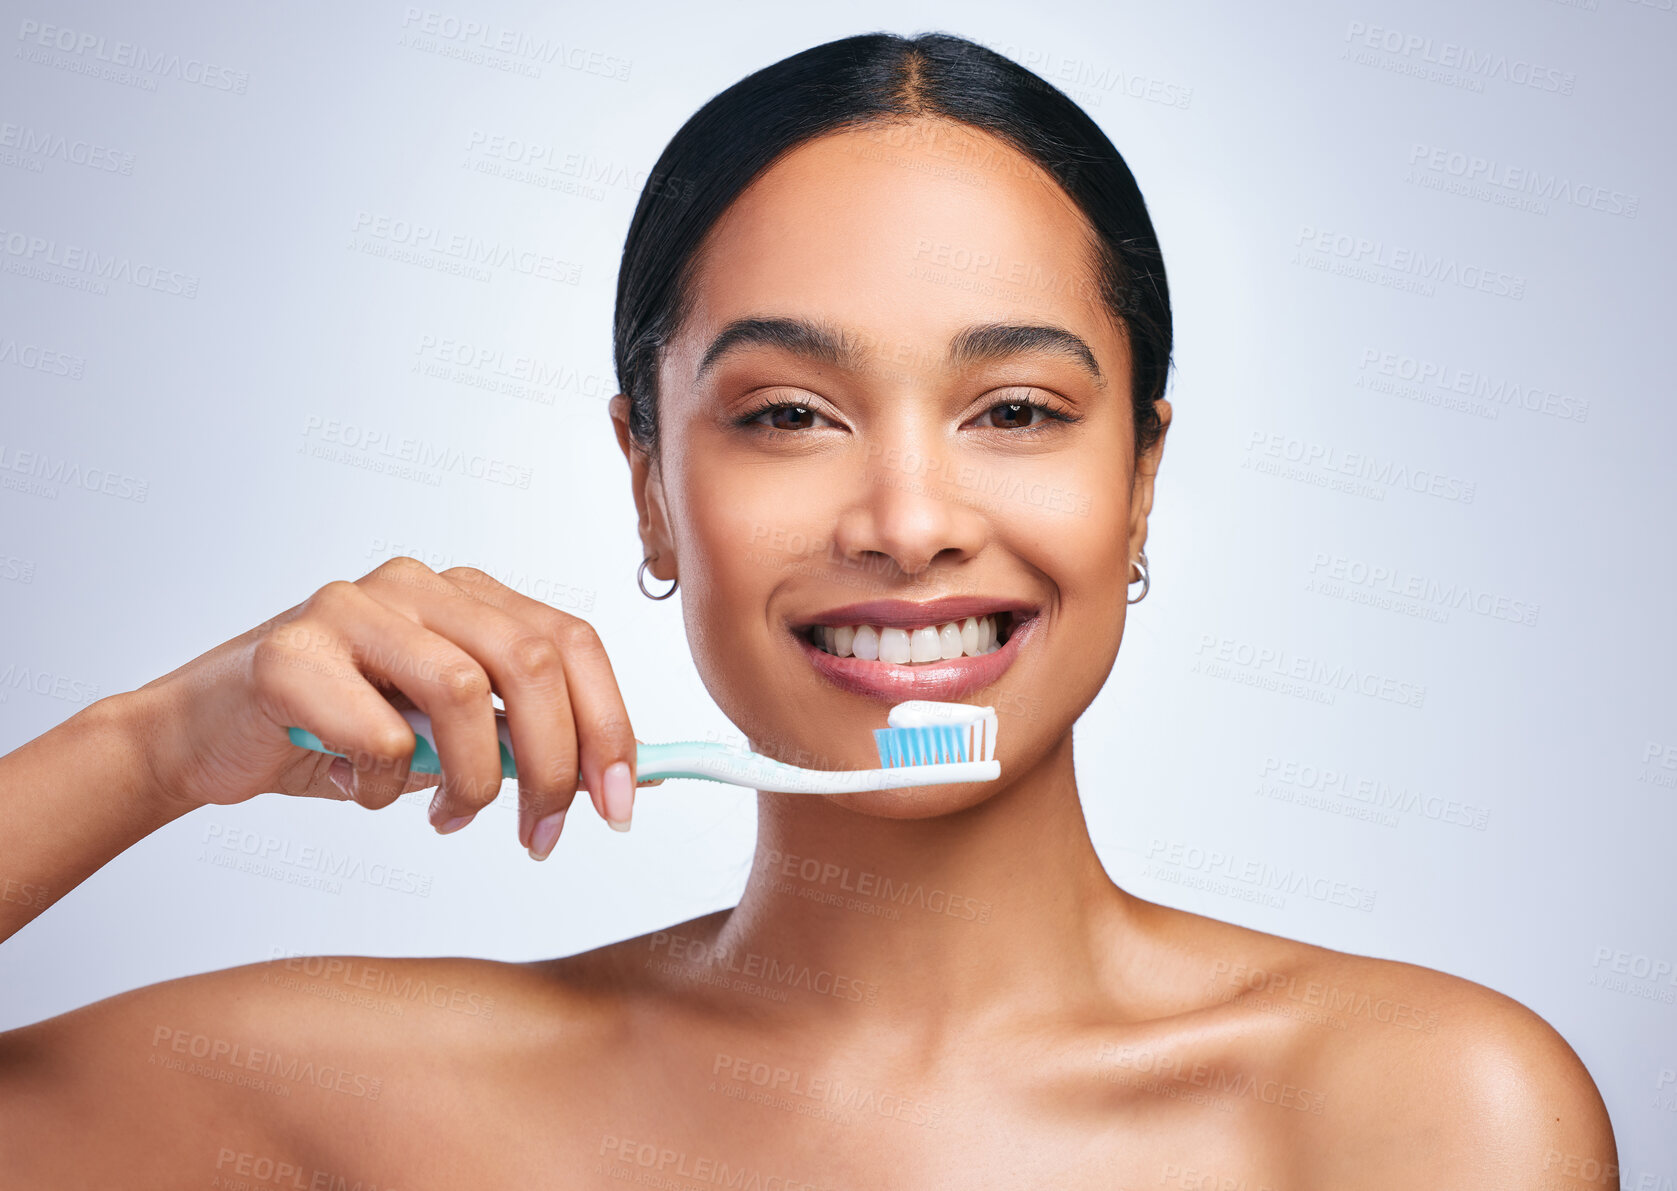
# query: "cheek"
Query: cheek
{"points": [[753, 527], [1071, 521], [745, 532]]}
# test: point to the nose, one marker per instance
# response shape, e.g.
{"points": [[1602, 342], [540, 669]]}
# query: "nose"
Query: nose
{"points": [[908, 514]]}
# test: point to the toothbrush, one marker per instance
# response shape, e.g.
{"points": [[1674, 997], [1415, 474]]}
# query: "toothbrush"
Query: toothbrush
{"points": [[927, 744]]}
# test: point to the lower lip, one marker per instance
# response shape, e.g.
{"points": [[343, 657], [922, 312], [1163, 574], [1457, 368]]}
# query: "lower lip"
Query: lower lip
{"points": [[925, 680]]}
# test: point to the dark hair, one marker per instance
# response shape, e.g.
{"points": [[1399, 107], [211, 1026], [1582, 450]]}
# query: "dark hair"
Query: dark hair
{"points": [[869, 79]]}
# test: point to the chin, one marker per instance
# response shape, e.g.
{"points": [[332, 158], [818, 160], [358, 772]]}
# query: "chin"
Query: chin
{"points": [[917, 802]]}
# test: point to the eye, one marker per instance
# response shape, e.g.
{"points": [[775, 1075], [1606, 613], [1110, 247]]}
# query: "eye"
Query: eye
{"points": [[781, 415], [1017, 415]]}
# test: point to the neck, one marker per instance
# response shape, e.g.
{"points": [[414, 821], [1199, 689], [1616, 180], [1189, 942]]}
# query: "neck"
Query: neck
{"points": [[936, 925]]}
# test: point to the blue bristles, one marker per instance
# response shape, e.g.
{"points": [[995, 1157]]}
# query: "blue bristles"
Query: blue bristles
{"points": [[933, 745]]}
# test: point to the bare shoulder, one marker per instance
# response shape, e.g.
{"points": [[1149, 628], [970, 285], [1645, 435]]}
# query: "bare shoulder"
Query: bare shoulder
{"points": [[299, 1066], [613, 978], [1437, 1080], [265, 1062], [1413, 1077]]}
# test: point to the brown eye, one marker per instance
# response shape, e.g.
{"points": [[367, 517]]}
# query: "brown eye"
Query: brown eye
{"points": [[791, 417], [1014, 414], [782, 416]]}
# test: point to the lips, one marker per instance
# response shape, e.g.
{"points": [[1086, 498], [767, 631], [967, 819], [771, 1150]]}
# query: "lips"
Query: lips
{"points": [[940, 680]]}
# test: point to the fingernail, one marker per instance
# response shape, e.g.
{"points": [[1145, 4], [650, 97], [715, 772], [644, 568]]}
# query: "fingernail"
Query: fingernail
{"points": [[342, 775], [545, 835], [619, 795], [455, 824]]}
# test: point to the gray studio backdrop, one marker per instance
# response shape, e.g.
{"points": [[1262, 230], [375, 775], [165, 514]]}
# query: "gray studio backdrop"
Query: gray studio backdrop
{"points": [[290, 289]]}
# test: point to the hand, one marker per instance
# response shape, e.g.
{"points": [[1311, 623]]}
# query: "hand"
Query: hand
{"points": [[342, 661]]}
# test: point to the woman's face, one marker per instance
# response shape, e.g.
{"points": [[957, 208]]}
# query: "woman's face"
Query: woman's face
{"points": [[911, 462]]}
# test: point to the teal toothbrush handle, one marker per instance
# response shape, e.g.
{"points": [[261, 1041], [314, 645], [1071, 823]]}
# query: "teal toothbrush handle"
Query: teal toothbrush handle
{"points": [[425, 759], [652, 761]]}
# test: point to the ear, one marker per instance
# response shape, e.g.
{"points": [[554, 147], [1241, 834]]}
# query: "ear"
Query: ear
{"points": [[1141, 494], [648, 490]]}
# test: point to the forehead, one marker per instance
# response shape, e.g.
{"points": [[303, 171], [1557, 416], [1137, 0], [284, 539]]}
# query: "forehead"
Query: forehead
{"points": [[903, 234]]}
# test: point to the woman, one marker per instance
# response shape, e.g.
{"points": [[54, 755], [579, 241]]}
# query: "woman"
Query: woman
{"points": [[893, 334]]}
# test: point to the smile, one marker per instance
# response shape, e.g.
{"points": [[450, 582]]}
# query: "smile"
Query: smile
{"points": [[895, 650], [973, 636]]}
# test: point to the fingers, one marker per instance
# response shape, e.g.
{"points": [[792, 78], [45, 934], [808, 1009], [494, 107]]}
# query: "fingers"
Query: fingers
{"points": [[307, 676], [525, 662], [447, 642], [605, 741], [438, 676]]}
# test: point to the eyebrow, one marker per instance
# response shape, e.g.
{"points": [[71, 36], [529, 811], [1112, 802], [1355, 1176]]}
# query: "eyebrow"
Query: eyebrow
{"points": [[971, 345]]}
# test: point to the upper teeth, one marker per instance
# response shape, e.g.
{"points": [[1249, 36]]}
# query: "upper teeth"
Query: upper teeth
{"points": [[971, 637]]}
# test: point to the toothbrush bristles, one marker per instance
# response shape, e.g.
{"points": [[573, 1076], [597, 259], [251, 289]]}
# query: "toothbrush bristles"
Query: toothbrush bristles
{"points": [[935, 744]]}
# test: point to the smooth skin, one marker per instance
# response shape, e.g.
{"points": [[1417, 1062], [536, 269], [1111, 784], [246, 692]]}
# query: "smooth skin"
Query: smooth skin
{"points": [[1010, 1018]]}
